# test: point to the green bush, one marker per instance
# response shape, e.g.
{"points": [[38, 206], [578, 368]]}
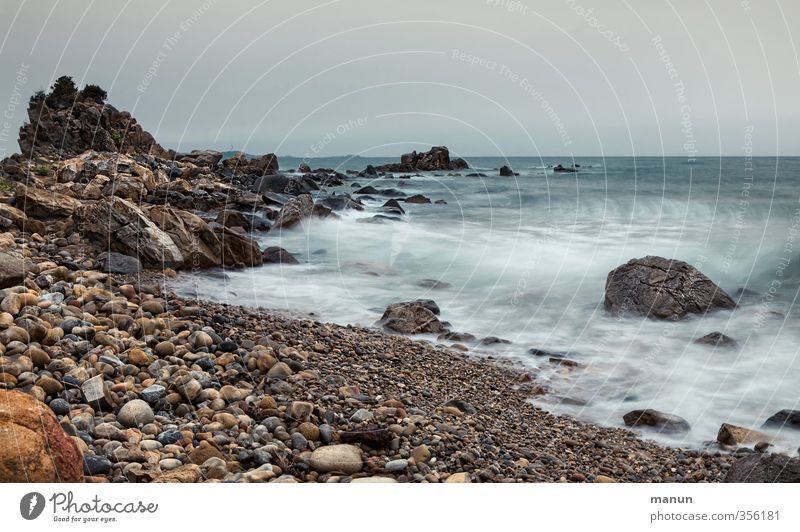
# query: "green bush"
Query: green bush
{"points": [[42, 170], [94, 93], [62, 93]]}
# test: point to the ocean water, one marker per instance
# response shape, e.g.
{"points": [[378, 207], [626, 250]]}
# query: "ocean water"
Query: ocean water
{"points": [[525, 259]]}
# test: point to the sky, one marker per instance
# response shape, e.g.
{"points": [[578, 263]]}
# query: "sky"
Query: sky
{"points": [[376, 77]]}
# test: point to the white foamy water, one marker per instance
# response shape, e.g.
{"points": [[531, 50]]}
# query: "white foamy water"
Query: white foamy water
{"points": [[526, 260]]}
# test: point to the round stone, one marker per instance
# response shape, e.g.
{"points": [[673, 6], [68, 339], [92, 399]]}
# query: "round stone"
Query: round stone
{"points": [[135, 413], [345, 458], [59, 406]]}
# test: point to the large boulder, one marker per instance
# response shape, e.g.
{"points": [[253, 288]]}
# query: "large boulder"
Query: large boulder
{"points": [[784, 418], [114, 262], [662, 288], [294, 211], [197, 242], [240, 163], [83, 125], [116, 224], [734, 435], [411, 317], [238, 250], [33, 446], [45, 204], [278, 255], [12, 270], [209, 158], [764, 468]]}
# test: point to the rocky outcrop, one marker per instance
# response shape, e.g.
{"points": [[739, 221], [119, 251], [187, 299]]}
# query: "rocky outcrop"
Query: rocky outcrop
{"points": [[763, 468], [87, 125], [654, 418], [412, 317], [33, 446], [505, 171], [437, 158], [238, 250], [264, 165], [664, 289], [116, 224], [197, 243], [204, 158]]}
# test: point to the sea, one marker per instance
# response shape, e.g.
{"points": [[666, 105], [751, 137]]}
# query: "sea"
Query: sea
{"points": [[525, 259]]}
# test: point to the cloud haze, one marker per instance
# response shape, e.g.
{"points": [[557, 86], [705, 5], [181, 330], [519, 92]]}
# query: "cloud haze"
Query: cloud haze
{"points": [[585, 77]]}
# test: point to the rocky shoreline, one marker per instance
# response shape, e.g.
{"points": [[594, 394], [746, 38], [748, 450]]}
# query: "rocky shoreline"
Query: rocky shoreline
{"points": [[107, 376]]}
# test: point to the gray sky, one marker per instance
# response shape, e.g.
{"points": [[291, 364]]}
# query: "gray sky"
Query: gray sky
{"points": [[498, 77]]}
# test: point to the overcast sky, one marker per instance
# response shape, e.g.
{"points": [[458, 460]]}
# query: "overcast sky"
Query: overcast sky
{"points": [[377, 77]]}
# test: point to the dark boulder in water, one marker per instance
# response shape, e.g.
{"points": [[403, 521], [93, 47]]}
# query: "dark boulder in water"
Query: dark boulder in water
{"points": [[393, 206], [654, 418], [505, 171], [418, 198], [457, 337], [368, 190], [663, 289], [764, 468], [278, 255], [717, 339], [494, 340], [433, 284], [784, 418]]}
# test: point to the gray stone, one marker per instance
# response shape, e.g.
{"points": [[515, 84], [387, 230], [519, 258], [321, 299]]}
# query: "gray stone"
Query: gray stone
{"points": [[135, 413], [344, 458], [764, 468]]}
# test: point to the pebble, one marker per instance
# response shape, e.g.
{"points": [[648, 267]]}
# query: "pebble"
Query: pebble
{"points": [[135, 413]]}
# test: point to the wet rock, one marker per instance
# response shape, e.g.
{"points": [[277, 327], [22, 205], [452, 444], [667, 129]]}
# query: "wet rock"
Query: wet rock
{"points": [[717, 339], [437, 158], [764, 468], [664, 289], [342, 458], [418, 198], [654, 418], [278, 255], [462, 406], [33, 446], [412, 317], [294, 211], [787, 418], [734, 435], [505, 171]]}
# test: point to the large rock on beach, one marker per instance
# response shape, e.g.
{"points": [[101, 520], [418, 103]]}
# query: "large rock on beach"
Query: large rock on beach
{"points": [[734, 435], [344, 458], [33, 446], [44, 204], [662, 288], [412, 317], [294, 211], [118, 225], [763, 468], [12, 270], [784, 418]]}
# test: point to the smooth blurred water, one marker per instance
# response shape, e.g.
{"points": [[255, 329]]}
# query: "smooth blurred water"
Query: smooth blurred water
{"points": [[527, 257]]}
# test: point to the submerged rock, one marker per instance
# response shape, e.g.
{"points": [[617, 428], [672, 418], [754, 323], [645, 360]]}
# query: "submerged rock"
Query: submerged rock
{"points": [[788, 418], [278, 255], [657, 419], [717, 339], [662, 288]]}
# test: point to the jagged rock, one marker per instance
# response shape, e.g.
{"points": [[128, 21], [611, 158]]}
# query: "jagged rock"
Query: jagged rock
{"points": [[411, 317], [44, 204], [209, 158], [12, 270], [661, 288], [294, 211], [230, 218], [762, 468], [198, 244], [118, 225], [240, 163], [86, 125], [505, 171], [437, 158], [238, 250], [33, 446], [278, 255], [654, 418], [418, 198]]}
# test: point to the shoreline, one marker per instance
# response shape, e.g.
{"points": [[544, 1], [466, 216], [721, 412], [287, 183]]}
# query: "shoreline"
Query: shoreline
{"points": [[506, 439]]}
